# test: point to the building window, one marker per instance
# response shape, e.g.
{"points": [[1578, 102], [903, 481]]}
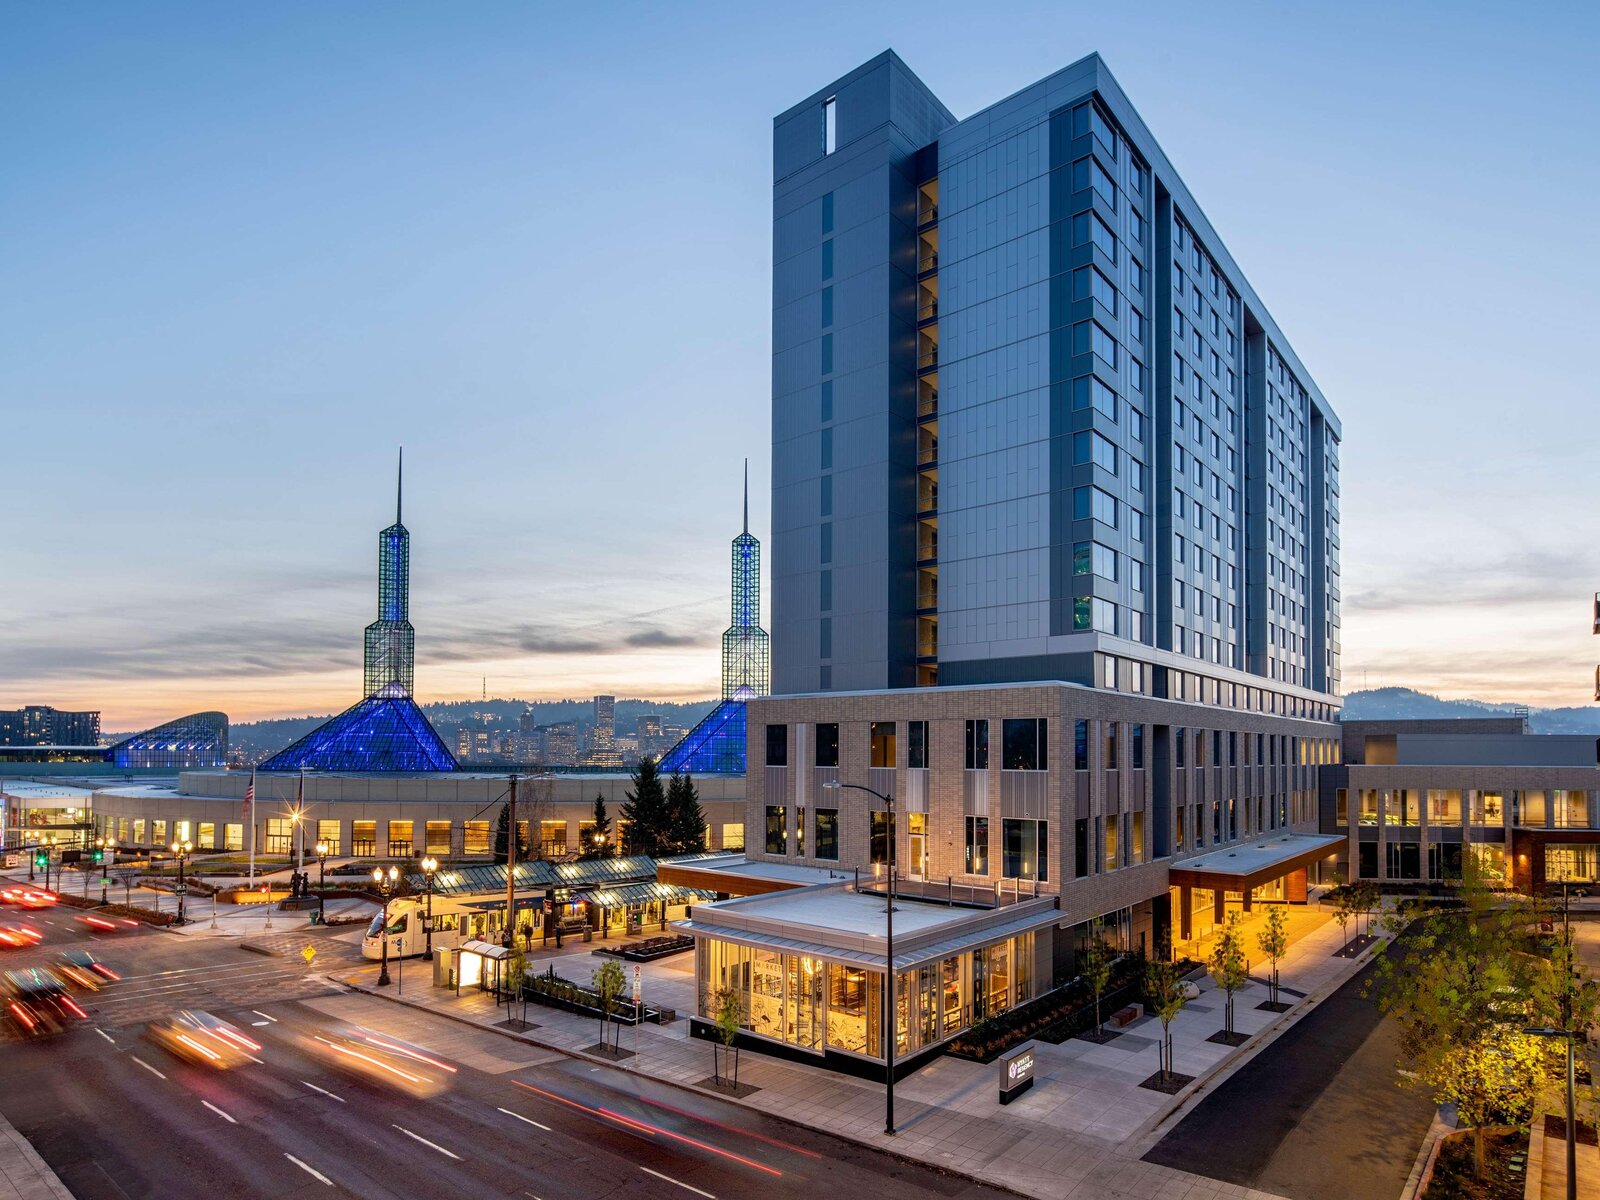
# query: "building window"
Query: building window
{"points": [[828, 833], [1080, 854], [827, 260], [881, 845], [917, 736], [1089, 392], [1111, 745], [777, 829], [1088, 282], [438, 837], [1138, 838], [827, 306], [826, 413], [883, 738], [1091, 612], [1025, 849], [825, 533], [1113, 828], [830, 124], [1089, 338], [777, 745], [1025, 744], [1178, 738], [1088, 227], [1091, 502], [977, 845], [827, 752], [475, 837], [400, 838], [1136, 737], [1091, 558], [1092, 447], [1080, 745], [827, 213], [977, 745]]}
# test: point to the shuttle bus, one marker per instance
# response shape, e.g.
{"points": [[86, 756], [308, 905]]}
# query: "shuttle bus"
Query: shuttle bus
{"points": [[457, 919]]}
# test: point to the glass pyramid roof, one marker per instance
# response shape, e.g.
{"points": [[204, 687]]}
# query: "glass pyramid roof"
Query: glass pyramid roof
{"points": [[384, 732], [716, 746]]}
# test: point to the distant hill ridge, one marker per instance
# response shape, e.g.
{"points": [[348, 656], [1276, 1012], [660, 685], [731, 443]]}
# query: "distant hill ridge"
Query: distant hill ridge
{"points": [[1399, 703]]}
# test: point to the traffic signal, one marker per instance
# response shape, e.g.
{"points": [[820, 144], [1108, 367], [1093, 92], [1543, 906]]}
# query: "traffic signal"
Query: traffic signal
{"points": [[41, 858], [99, 856]]}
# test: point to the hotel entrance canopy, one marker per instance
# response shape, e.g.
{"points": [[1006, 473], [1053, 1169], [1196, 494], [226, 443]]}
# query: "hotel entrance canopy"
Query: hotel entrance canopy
{"points": [[1240, 868]]}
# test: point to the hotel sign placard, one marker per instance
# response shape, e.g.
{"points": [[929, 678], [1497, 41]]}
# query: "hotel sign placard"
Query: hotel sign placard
{"points": [[1016, 1071]]}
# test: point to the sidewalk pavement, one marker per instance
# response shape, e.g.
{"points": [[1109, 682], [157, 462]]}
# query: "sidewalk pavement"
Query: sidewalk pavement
{"points": [[1077, 1135], [23, 1174]]}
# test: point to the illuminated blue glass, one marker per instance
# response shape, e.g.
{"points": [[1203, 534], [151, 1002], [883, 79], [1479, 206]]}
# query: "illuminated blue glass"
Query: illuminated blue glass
{"points": [[198, 740], [384, 732], [713, 747]]}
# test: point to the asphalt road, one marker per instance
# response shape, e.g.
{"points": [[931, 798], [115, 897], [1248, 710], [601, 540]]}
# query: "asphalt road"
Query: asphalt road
{"points": [[116, 1117], [1317, 1115]]}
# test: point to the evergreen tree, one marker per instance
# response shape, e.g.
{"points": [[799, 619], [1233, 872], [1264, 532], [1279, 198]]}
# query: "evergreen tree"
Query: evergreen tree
{"points": [[502, 833], [686, 823], [601, 844], [645, 812]]}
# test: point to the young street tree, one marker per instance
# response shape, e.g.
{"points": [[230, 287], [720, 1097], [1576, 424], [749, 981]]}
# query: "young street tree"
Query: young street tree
{"points": [[1460, 985], [600, 844], [608, 984], [1343, 911], [1227, 968], [1274, 942], [645, 812], [1098, 960], [686, 821], [1163, 988], [728, 1012]]}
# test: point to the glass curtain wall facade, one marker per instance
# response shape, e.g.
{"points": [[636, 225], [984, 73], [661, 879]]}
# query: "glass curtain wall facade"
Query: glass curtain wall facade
{"points": [[817, 1004], [196, 741]]}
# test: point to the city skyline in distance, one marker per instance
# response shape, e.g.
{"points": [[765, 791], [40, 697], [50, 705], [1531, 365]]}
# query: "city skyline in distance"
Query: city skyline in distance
{"points": [[560, 558]]}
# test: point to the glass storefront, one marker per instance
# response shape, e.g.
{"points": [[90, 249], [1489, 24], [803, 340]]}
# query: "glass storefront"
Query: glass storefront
{"points": [[1571, 863], [815, 1004]]}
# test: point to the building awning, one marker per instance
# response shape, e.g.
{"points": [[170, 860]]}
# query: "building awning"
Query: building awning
{"points": [[628, 894], [486, 949], [957, 944], [1249, 866]]}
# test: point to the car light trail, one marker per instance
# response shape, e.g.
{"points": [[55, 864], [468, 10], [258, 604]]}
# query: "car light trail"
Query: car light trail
{"points": [[652, 1130]]}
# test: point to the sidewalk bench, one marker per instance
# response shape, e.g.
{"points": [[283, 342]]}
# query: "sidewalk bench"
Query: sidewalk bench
{"points": [[1124, 1017]]}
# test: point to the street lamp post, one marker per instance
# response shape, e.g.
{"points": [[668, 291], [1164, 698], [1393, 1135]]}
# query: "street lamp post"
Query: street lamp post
{"points": [[429, 866], [322, 881], [386, 883], [891, 1020], [181, 849], [49, 843]]}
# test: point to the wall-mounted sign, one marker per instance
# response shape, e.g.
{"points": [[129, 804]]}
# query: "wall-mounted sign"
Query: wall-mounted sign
{"points": [[1016, 1071]]}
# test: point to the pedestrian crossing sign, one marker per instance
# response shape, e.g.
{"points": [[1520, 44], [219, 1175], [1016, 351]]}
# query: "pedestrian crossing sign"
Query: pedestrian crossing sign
{"points": [[308, 954]]}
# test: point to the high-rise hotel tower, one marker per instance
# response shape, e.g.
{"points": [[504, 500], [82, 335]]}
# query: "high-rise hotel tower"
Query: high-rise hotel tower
{"points": [[1027, 410]]}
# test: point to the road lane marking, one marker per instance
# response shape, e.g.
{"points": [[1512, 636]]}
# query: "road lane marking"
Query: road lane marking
{"points": [[219, 1112], [259, 1013], [686, 1187], [308, 1169], [417, 1137], [146, 1065], [529, 1120], [324, 1091], [106, 1035], [261, 1022]]}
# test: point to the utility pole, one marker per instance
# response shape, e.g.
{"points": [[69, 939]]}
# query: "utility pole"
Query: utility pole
{"points": [[511, 863]]}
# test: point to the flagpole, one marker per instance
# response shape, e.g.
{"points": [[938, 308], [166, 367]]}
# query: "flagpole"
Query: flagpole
{"points": [[250, 814]]}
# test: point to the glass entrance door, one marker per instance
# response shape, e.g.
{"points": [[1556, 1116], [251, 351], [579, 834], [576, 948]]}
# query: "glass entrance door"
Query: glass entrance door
{"points": [[917, 831]]}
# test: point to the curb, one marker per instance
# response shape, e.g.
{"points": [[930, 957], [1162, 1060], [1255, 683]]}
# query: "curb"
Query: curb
{"points": [[1144, 1137], [579, 1056]]}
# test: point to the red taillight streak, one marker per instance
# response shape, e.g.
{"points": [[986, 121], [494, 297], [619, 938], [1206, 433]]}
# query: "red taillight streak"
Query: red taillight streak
{"points": [[67, 1000], [782, 1145], [22, 1015], [650, 1130]]}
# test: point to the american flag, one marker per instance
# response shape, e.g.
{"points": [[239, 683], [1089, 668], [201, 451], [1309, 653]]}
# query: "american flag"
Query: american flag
{"points": [[250, 796]]}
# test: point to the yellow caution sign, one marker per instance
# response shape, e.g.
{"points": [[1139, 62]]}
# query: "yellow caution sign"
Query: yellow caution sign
{"points": [[308, 954]]}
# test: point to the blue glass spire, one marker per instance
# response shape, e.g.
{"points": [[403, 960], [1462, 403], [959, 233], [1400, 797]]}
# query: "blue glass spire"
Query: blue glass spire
{"points": [[384, 732], [390, 647], [746, 670]]}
